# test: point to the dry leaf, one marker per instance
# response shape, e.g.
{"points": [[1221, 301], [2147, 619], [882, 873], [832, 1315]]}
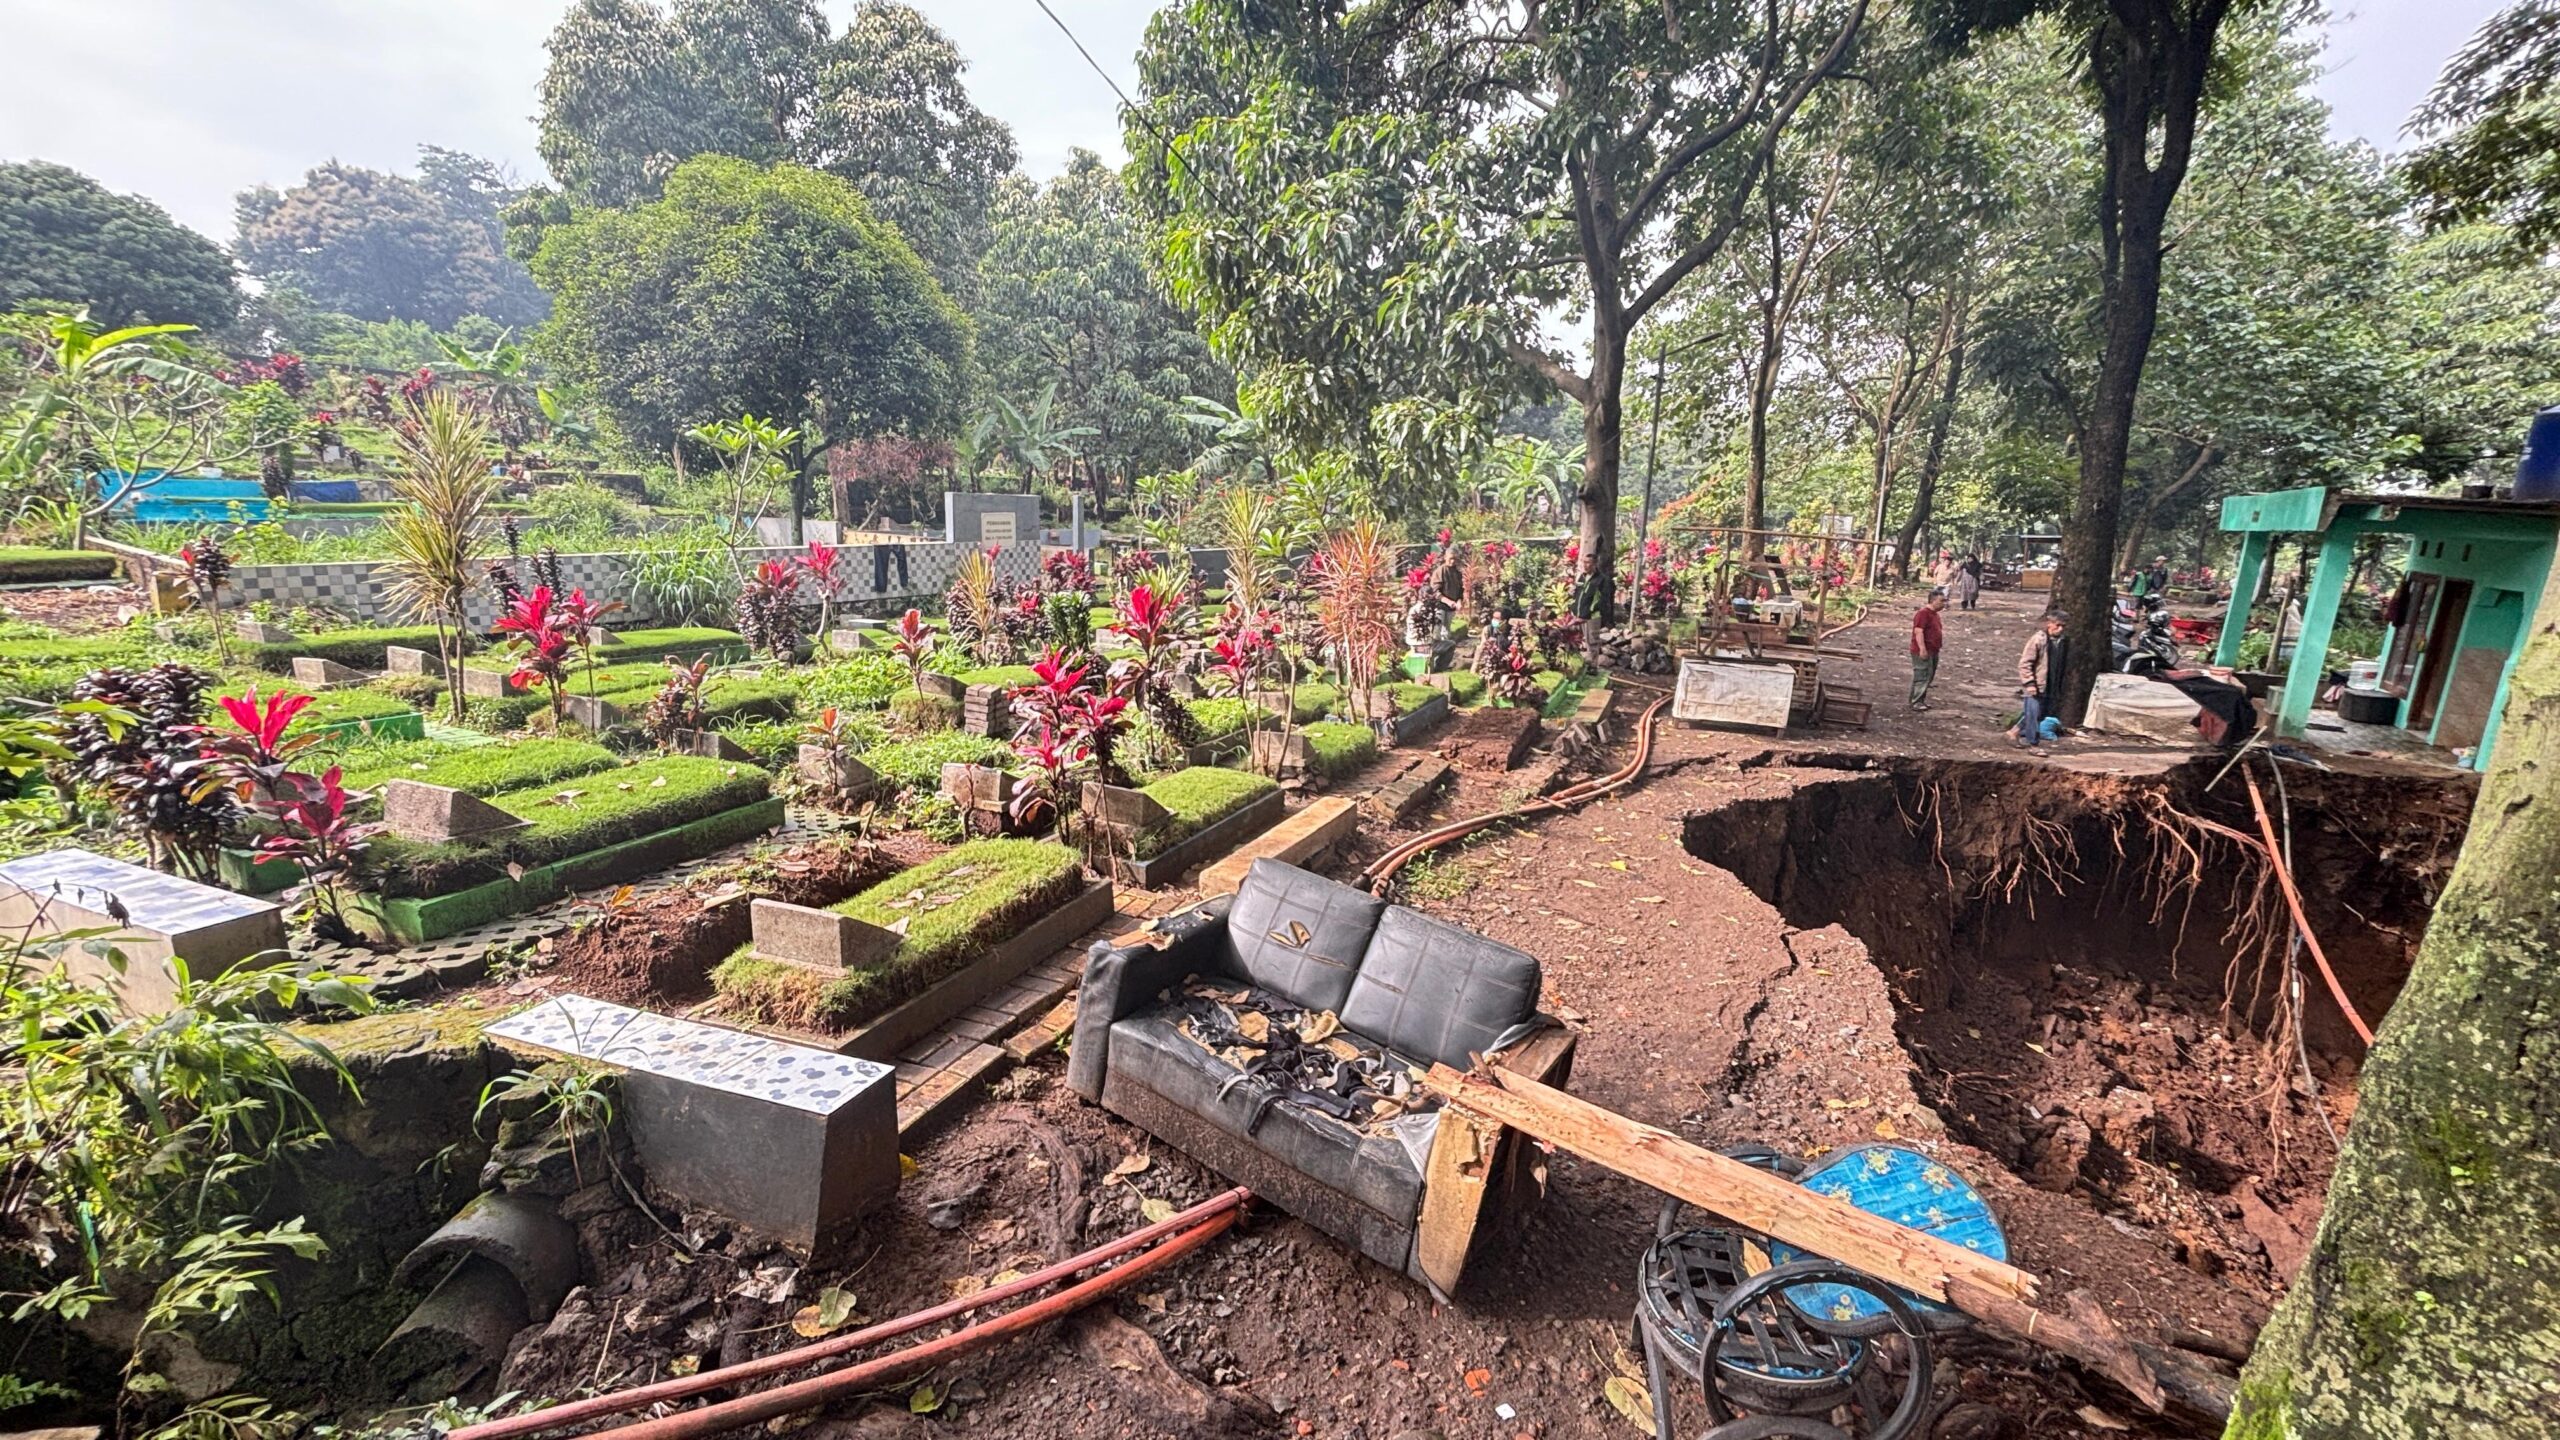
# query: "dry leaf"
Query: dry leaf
{"points": [[2097, 1419], [1005, 1276], [907, 1167], [1129, 1165], [1157, 1211], [923, 1400], [966, 1286], [834, 1308], [1256, 1026], [659, 783], [1885, 1130], [1632, 1400], [1153, 1300], [1617, 864], [1648, 899], [684, 1364]]}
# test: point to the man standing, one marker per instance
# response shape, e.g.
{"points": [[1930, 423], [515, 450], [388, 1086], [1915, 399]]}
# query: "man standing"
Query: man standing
{"points": [[2040, 678], [1928, 635], [1969, 579], [2156, 580]]}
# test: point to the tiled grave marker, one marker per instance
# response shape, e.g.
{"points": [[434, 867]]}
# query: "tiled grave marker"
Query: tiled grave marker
{"points": [[152, 917]]}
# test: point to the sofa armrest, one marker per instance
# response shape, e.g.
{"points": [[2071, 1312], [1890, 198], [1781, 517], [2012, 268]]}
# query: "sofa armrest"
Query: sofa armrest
{"points": [[1121, 977]]}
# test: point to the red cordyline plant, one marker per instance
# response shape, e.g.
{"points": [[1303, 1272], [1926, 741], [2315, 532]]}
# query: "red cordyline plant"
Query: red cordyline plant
{"points": [[821, 562], [914, 644], [252, 757], [584, 619], [544, 643], [769, 610], [1069, 572], [1157, 624], [1065, 721], [315, 832]]}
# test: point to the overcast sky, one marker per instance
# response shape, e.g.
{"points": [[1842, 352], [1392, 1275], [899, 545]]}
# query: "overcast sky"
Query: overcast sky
{"points": [[191, 101]]}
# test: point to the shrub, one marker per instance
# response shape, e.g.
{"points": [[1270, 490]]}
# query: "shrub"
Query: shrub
{"points": [[952, 909], [917, 764], [27, 565], [1196, 799], [924, 714], [1338, 747], [607, 809]]}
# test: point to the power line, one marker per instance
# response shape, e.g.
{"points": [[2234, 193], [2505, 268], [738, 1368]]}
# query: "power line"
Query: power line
{"points": [[1163, 137]]}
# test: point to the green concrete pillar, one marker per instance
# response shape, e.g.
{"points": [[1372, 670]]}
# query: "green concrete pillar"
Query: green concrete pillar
{"points": [[2319, 618], [2254, 545]]}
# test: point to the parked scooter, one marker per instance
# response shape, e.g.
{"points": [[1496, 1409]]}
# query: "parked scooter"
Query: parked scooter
{"points": [[2138, 640]]}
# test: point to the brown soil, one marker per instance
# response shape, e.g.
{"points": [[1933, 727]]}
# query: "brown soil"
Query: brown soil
{"points": [[72, 609], [1485, 739], [1808, 950], [659, 949]]}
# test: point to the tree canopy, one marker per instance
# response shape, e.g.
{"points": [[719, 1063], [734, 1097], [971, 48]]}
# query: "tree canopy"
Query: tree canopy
{"points": [[752, 290], [65, 238], [634, 89], [379, 246]]}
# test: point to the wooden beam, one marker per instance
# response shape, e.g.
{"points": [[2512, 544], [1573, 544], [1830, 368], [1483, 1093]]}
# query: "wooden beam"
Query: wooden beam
{"points": [[1990, 1291]]}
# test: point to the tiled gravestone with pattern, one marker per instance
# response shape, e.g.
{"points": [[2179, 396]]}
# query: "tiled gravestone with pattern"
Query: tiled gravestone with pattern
{"points": [[788, 1139]]}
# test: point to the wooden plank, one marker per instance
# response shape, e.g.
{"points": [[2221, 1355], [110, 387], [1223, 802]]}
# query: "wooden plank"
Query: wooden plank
{"points": [[1995, 1293], [1318, 827], [1468, 1171]]}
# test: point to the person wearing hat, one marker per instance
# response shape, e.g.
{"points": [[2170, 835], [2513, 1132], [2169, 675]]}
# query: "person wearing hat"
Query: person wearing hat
{"points": [[2156, 580], [2040, 678], [1928, 636]]}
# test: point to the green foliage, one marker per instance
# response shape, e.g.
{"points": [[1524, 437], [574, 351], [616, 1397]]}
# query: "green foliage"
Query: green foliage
{"points": [[880, 105], [865, 681], [922, 713], [359, 646], [378, 246], [952, 908], [682, 578], [2492, 151], [570, 819], [916, 764], [72, 241], [1466, 688], [135, 1139], [749, 291]]}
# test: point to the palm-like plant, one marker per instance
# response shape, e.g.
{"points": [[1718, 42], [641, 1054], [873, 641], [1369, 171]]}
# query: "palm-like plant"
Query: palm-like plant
{"points": [[1030, 436], [500, 378], [1357, 589], [435, 538], [1238, 444], [751, 473]]}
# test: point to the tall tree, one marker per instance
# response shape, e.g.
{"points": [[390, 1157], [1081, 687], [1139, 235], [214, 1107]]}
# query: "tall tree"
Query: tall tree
{"points": [[2492, 129], [1421, 181], [2429, 1308], [66, 238], [2474, 333], [2148, 61], [379, 246], [1069, 300], [748, 291], [635, 88]]}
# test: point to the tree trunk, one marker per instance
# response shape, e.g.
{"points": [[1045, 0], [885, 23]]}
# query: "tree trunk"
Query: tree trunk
{"points": [[2129, 554], [1601, 436], [2430, 1304], [1924, 498]]}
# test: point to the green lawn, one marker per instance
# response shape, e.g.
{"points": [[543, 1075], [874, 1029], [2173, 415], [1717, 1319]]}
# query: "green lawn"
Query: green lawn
{"points": [[1340, 746], [570, 818], [482, 769], [28, 565], [952, 909], [1195, 799]]}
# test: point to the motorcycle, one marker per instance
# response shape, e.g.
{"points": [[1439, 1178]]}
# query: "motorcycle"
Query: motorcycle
{"points": [[2139, 642]]}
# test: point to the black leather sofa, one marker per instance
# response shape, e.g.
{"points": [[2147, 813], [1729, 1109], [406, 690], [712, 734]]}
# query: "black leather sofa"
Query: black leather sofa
{"points": [[1423, 990]]}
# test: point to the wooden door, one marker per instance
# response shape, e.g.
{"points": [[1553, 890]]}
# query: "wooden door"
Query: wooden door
{"points": [[2408, 638], [2452, 607]]}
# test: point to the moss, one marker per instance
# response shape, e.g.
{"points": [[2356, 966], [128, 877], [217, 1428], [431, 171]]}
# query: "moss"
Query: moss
{"points": [[27, 565], [1195, 799], [2263, 1410], [1410, 696], [953, 907], [1466, 688], [605, 809], [1219, 715], [917, 764], [2453, 1155], [1010, 677], [1339, 747], [398, 1032], [686, 642], [1313, 701], [484, 769]]}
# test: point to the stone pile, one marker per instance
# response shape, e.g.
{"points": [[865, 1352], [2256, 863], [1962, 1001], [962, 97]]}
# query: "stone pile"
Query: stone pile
{"points": [[1644, 649]]}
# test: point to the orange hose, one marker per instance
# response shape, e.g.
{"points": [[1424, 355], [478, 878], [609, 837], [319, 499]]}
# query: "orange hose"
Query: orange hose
{"points": [[898, 1364], [1385, 866], [2301, 922], [643, 1396]]}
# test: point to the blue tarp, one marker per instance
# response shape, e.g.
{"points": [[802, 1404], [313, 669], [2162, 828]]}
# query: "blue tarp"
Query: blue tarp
{"points": [[208, 499]]}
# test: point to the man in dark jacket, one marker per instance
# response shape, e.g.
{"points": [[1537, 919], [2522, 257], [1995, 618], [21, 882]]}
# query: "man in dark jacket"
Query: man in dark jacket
{"points": [[2040, 677]]}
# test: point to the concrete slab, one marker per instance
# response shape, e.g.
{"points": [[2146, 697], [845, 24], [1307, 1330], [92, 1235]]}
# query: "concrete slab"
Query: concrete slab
{"points": [[402, 660], [1734, 696], [320, 674], [150, 916], [259, 632], [792, 1141], [820, 939], [1316, 828], [416, 810]]}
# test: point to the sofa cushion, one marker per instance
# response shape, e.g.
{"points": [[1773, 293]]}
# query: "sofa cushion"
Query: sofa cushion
{"points": [[1431, 990], [1376, 1170], [1299, 935]]}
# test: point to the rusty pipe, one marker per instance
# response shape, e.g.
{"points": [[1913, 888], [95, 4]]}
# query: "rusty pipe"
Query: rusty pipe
{"points": [[682, 1387], [897, 1365], [1385, 866]]}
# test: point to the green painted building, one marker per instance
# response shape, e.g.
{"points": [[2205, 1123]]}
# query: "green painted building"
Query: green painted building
{"points": [[2475, 575]]}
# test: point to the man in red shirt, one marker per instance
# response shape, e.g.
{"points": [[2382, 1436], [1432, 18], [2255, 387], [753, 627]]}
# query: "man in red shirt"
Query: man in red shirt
{"points": [[1928, 635]]}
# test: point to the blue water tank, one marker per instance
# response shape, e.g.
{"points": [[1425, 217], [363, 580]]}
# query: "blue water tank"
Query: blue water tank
{"points": [[2538, 473]]}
